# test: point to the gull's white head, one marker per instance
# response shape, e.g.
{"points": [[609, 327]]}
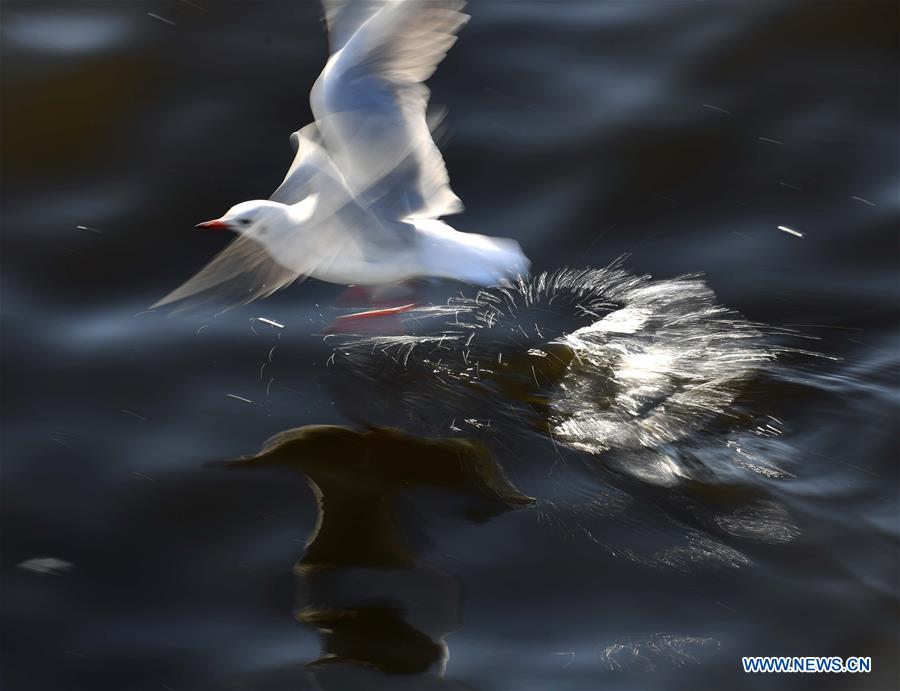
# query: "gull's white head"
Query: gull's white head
{"points": [[269, 223], [255, 219]]}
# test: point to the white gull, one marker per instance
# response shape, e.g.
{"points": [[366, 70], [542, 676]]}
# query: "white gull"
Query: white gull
{"points": [[362, 199]]}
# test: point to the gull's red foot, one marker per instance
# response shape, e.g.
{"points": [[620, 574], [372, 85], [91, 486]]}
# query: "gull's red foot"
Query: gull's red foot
{"points": [[381, 322]]}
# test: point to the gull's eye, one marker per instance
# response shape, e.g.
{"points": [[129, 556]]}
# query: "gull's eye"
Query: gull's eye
{"points": [[245, 222]]}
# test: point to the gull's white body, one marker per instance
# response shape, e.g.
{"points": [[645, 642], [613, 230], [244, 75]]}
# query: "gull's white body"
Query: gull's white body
{"points": [[361, 201]]}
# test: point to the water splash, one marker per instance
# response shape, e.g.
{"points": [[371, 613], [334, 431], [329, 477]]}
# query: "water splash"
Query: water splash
{"points": [[601, 360], [648, 653]]}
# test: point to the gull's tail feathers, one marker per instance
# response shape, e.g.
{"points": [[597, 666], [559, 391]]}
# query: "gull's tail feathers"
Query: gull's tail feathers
{"points": [[477, 259]]}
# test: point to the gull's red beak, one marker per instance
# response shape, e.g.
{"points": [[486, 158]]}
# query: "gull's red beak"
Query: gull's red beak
{"points": [[212, 225]]}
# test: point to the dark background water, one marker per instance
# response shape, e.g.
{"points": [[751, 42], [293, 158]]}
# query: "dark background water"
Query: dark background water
{"points": [[683, 133]]}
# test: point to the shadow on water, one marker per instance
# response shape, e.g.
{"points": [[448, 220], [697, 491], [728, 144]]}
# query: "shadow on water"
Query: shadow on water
{"points": [[373, 602]]}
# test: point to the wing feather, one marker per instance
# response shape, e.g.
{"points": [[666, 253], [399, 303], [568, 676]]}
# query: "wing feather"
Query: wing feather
{"points": [[312, 170], [240, 273], [344, 17], [371, 103]]}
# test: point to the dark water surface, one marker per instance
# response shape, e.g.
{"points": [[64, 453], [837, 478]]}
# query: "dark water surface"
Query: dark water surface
{"points": [[683, 133]]}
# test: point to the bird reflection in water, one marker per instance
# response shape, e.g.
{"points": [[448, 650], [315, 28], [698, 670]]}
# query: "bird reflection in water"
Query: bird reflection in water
{"points": [[378, 608], [641, 386]]}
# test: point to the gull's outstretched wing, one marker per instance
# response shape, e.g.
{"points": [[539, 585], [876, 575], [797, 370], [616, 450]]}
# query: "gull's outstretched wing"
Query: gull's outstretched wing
{"points": [[240, 273], [370, 104], [340, 224], [312, 172], [338, 227], [344, 17]]}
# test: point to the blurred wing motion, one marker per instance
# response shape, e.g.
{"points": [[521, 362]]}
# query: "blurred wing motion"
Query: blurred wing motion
{"points": [[241, 272], [341, 224], [368, 163], [370, 103], [312, 172], [344, 17]]}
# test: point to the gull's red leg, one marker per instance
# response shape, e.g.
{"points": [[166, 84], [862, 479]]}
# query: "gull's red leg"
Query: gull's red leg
{"points": [[384, 322], [385, 303]]}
